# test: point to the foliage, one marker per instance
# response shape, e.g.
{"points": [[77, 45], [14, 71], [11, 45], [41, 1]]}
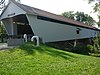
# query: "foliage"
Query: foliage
{"points": [[80, 50], [99, 20], [90, 49], [85, 18], [2, 4], [69, 14], [43, 60], [98, 23], [2, 32], [82, 47], [96, 7], [95, 48], [79, 16], [93, 51]]}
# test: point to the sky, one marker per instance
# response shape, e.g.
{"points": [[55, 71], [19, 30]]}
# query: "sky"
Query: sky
{"points": [[60, 6]]}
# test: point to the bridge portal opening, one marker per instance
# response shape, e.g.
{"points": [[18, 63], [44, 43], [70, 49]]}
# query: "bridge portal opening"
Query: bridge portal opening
{"points": [[22, 25]]}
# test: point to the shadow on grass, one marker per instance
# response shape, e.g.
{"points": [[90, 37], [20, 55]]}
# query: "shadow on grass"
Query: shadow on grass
{"points": [[58, 53], [30, 49]]}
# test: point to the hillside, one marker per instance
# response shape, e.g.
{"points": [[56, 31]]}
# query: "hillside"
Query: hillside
{"points": [[30, 60]]}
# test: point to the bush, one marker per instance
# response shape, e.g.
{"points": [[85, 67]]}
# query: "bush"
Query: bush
{"points": [[3, 37], [86, 50], [90, 48], [81, 47], [81, 50], [94, 51]]}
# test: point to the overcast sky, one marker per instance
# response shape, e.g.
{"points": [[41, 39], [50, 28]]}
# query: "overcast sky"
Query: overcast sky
{"points": [[60, 6]]}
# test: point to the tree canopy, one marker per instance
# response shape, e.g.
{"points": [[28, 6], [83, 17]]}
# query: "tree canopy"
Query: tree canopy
{"points": [[2, 4], [69, 14], [96, 6], [79, 16]]}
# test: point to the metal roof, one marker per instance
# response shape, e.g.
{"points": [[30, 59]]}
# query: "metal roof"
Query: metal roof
{"points": [[39, 12]]}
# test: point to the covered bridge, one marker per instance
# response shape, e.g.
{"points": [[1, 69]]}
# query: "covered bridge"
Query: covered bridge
{"points": [[20, 19]]}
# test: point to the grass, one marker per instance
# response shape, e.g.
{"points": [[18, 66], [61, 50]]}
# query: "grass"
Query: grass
{"points": [[44, 60]]}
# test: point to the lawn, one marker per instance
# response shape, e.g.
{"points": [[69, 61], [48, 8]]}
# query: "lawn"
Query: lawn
{"points": [[30, 60]]}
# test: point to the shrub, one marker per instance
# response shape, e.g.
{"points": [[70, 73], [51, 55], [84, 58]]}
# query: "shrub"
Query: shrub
{"points": [[93, 50], [90, 48], [81, 50]]}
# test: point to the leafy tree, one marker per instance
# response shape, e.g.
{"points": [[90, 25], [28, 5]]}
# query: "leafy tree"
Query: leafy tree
{"points": [[96, 7], [2, 4], [79, 16], [98, 23], [90, 20], [2, 32], [99, 20], [85, 18], [69, 14], [1, 28]]}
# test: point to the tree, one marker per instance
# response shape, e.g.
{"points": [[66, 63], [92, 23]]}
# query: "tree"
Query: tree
{"points": [[79, 16], [69, 14], [96, 7], [99, 21], [2, 32], [85, 18], [2, 29], [2, 4]]}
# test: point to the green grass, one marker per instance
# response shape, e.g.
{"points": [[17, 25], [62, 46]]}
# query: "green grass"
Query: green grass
{"points": [[43, 60]]}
